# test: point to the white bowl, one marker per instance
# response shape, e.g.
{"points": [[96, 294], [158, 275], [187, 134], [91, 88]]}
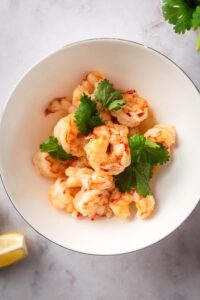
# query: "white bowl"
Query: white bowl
{"points": [[173, 98]]}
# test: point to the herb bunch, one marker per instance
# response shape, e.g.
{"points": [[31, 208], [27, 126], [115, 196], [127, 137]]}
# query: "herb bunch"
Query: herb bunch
{"points": [[183, 15]]}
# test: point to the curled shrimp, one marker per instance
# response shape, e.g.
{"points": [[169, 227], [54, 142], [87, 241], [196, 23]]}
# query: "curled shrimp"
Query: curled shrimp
{"points": [[163, 134], [63, 105], [88, 179], [69, 137], [107, 150], [145, 205], [62, 196], [133, 112], [87, 86], [92, 203], [79, 162], [46, 166], [74, 175], [105, 115], [97, 181], [120, 203]]}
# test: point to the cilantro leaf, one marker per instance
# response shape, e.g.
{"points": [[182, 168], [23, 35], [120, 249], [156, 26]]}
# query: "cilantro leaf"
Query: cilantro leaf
{"points": [[135, 176], [108, 96], [183, 14], [196, 18], [87, 116], [145, 154], [116, 105], [158, 155], [126, 180], [179, 13], [143, 149], [137, 142], [151, 144], [142, 176], [145, 168], [55, 150]]}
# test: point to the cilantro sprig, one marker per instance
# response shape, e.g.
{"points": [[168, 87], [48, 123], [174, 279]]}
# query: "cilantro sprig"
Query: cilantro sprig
{"points": [[183, 15], [55, 150], [87, 116], [145, 154], [108, 96]]}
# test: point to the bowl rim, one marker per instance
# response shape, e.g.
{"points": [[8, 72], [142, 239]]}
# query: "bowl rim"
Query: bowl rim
{"points": [[2, 114]]}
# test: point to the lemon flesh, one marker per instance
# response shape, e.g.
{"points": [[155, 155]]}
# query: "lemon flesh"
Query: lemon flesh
{"points": [[12, 248]]}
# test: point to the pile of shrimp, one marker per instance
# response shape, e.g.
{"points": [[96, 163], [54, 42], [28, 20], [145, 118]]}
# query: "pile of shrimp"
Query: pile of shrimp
{"points": [[84, 185]]}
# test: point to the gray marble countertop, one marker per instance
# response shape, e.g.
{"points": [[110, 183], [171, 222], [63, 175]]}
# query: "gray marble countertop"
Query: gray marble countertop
{"points": [[169, 270]]}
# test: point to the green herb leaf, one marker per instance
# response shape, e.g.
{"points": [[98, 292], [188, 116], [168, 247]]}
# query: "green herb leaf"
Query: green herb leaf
{"points": [[55, 150], [108, 96], [196, 18], [145, 154], [179, 13], [158, 155], [116, 105], [142, 175], [87, 116], [135, 176], [126, 180], [143, 149], [144, 168], [151, 144], [137, 142]]}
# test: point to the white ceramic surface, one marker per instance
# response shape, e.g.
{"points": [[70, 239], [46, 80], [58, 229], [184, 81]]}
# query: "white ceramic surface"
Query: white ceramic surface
{"points": [[173, 98]]}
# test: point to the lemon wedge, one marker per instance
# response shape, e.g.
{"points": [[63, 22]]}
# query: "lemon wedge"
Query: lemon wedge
{"points": [[12, 248]]}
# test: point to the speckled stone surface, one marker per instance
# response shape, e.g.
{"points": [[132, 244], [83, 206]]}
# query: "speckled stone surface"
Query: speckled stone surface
{"points": [[169, 270]]}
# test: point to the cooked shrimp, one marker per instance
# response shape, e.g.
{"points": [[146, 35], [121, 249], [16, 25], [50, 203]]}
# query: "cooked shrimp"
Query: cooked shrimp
{"points": [[120, 203], [87, 86], [105, 115], [76, 171], [62, 196], [145, 205], [63, 105], [79, 162], [107, 150], [69, 137], [74, 176], [88, 179], [133, 112], [163, 134], [97, 181], [92, 203], [46, 166]]}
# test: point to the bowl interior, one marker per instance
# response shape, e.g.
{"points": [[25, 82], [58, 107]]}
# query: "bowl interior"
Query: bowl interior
{"points": [[173, 99]]}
